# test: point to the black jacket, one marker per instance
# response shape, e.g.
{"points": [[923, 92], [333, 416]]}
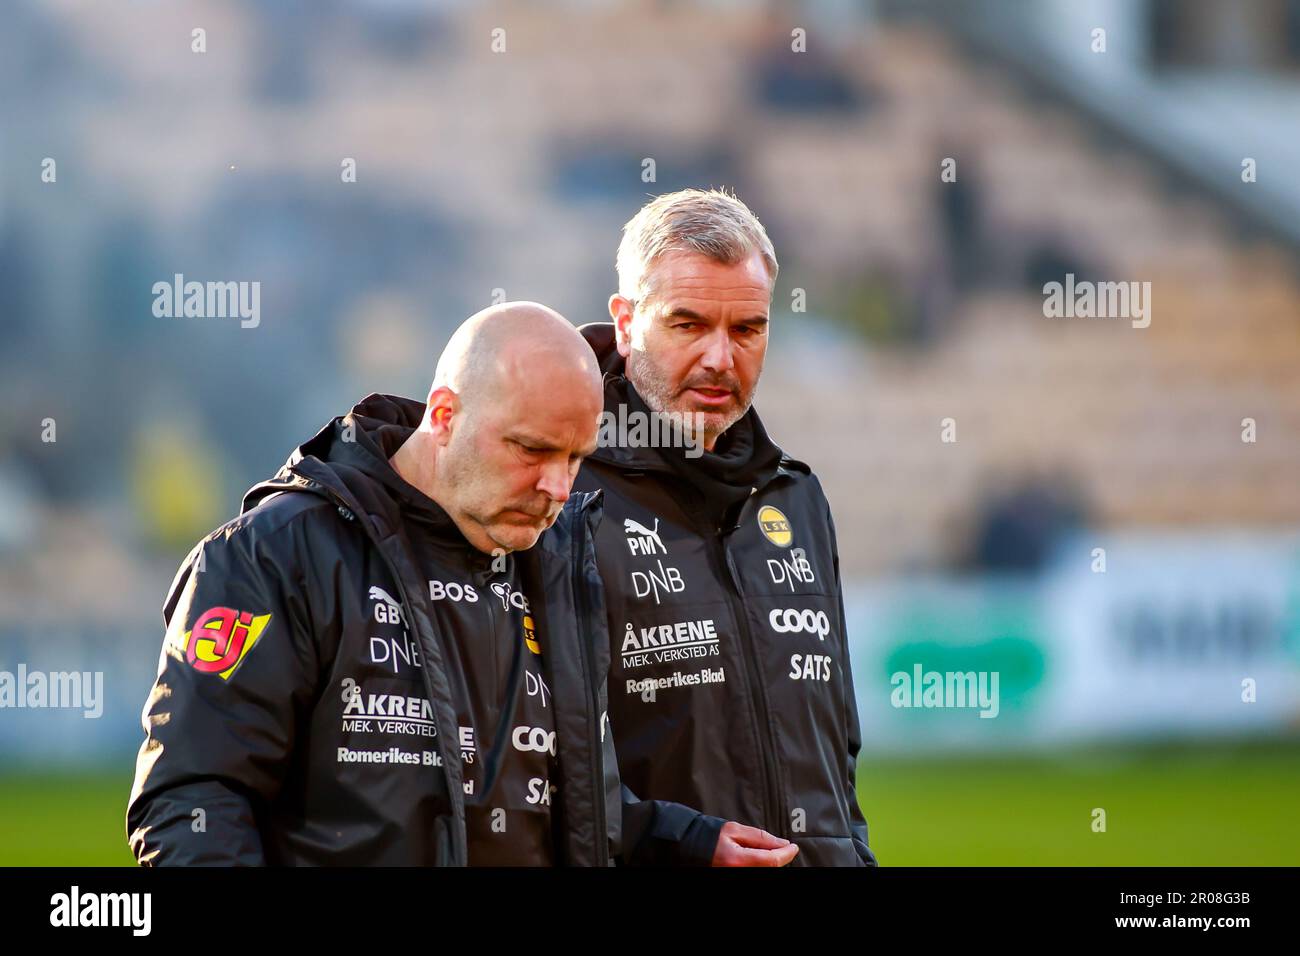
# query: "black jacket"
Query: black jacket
{"points": [[319, 725], [730, 685]]}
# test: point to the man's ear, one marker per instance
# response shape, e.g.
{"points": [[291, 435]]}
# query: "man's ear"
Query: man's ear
{"points": [[620, 310], [440, 412]]}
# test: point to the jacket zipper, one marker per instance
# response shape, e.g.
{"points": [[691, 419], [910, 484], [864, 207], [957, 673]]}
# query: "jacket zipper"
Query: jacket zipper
{"points": [[595, 724], [761, 709]]}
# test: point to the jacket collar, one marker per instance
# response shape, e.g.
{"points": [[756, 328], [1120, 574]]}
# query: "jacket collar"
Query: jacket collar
{"points": [[349, 459]]}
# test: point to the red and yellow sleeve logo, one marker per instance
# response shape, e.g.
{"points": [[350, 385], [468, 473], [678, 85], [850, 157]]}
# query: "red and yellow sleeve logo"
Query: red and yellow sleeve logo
{"points": [[220, 638]]}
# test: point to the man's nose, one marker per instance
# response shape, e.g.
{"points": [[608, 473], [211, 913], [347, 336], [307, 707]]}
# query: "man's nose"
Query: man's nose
{"points": [[717, 351], [556, 481]]}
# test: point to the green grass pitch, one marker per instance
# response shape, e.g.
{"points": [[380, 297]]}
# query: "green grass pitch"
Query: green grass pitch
{"points": [[1206, 805]]}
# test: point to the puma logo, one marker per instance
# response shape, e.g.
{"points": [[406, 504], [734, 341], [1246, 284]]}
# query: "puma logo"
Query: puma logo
{"points": [[643, 540], [379, 594]]}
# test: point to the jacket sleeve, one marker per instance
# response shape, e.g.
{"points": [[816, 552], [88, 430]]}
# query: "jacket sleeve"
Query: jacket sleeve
{"points": [[853, 731], [236, 675], [660, 833]]}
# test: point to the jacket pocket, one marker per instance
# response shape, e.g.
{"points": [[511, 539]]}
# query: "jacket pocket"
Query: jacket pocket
{"points": [[827, 851]]}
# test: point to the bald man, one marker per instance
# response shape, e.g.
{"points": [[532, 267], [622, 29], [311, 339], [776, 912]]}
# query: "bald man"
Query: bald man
{"points": [[396, 653]]}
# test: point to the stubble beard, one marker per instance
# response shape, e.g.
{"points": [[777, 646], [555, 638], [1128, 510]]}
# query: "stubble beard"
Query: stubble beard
{"points": [[654, 388]]}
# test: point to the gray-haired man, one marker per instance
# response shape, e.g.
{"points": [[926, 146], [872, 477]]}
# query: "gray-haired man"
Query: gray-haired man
{"points": [[730, 688]]}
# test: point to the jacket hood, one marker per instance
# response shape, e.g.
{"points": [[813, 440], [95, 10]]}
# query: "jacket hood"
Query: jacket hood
{"points": [[744, 455], [600, 336], [347, 462]]}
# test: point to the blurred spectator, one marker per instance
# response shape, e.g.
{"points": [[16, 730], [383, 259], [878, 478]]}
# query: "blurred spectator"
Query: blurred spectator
{"points": [[1018, 527]]}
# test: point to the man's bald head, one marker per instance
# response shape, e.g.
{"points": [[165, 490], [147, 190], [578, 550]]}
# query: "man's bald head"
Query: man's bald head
{"points": [[504, 345], [513, 409]]}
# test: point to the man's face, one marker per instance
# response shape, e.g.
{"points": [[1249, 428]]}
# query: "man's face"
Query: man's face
{"points": [[510, 461], [695, 344]]}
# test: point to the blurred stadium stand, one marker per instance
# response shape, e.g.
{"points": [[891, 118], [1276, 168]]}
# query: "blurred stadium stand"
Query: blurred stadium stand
{"points": [[479, 171]]}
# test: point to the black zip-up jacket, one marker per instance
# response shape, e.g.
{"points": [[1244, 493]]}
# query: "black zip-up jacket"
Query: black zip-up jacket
{"points": [[730, 687], [314, 720]]}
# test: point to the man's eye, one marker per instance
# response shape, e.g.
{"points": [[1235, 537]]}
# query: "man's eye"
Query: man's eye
{"points": [[685, 326]]}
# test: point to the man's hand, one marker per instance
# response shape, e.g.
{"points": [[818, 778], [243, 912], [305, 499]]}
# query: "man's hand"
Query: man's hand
{"points": [[739, 845]]}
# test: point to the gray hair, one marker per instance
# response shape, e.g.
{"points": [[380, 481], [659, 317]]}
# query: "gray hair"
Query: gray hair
{"points": [[713, 223]]}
